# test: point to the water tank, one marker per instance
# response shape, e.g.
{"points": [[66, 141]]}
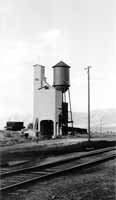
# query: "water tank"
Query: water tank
{"points": [[61, 80]]}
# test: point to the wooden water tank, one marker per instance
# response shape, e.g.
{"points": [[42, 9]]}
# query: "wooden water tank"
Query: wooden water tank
{"points": [[61, 76]]}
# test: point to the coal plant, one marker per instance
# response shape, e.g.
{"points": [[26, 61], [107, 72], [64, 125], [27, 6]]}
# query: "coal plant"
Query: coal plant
{"points": [[52, 104]]}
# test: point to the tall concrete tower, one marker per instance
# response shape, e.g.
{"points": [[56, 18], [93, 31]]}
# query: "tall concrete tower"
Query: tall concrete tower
{"points": [[50, 116], [47, 105], [39, 76]]}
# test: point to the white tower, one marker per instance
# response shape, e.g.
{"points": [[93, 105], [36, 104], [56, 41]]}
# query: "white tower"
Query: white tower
{"points": [[39, 76], [47, 105]]}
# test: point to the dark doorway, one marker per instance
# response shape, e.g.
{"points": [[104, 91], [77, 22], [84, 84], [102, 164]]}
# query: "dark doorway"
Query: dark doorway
{"points": [[46, 128], [65, 118]]}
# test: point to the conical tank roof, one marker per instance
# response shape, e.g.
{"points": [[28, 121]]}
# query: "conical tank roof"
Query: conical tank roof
{"points": [[61, 64]]}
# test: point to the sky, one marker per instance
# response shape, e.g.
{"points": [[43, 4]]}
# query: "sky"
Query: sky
{"points": [[79, 32]]}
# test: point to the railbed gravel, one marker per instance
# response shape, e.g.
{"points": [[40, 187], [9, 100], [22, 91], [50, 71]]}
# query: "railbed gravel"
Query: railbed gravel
{"points": [[97, 183]]}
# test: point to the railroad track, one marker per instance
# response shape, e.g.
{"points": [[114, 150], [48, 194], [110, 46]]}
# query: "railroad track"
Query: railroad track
{"points": [[23, 177]]}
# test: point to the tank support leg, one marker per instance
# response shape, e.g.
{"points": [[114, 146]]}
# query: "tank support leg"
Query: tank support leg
{"points": [[71, 119]]}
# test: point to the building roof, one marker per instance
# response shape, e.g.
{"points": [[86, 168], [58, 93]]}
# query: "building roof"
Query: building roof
{"points": [[37, 65], [61, 64]]}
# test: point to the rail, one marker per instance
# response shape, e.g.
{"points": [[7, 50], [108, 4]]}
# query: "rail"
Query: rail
{"points": [[23, 178]]}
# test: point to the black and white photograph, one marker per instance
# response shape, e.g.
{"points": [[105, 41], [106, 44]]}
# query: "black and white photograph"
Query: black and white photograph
{"points": [[57, 99]]}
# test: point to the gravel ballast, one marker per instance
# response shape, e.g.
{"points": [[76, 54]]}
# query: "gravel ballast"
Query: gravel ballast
{"points": [[97, 183]]}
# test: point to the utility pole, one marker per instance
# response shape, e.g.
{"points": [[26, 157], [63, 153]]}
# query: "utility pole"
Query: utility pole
{"points": [[88, 72]]}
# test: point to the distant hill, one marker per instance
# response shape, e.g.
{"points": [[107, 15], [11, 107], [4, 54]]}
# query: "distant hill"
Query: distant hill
{"points": [[100, 119]]}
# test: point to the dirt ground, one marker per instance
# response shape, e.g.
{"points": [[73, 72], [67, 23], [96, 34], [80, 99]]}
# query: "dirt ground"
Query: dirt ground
{"points": [[98, 183], [42, 149]]}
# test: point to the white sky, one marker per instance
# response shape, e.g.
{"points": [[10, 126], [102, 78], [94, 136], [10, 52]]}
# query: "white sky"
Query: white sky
{"points": [[79, 32]]}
